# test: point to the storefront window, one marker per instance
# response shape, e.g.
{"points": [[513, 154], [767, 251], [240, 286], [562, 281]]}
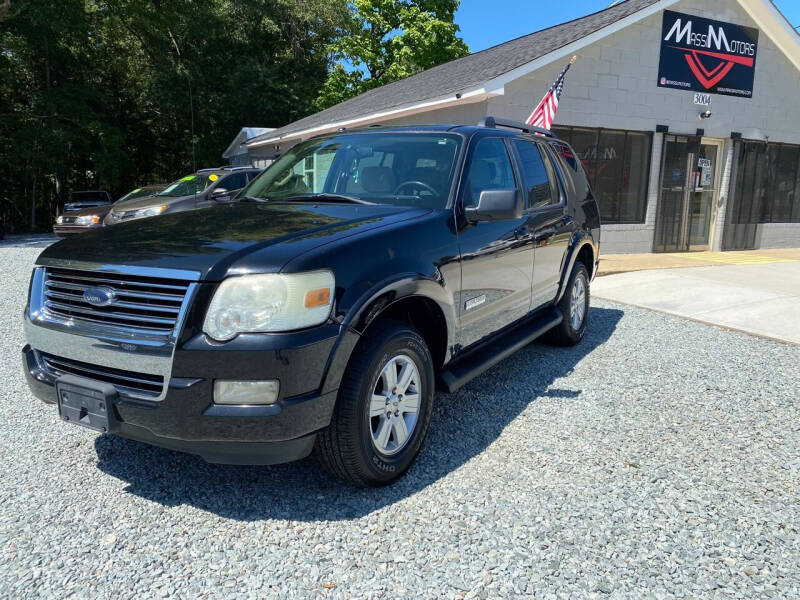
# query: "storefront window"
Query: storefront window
{"points": [[768, 183], [617, 164], [782, 204]]}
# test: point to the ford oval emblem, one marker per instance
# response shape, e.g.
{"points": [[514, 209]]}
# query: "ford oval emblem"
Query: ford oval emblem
{"points": [[100, 296]]}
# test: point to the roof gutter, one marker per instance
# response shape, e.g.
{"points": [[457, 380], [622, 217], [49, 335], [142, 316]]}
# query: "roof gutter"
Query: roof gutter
{"points": [[474, 95]]}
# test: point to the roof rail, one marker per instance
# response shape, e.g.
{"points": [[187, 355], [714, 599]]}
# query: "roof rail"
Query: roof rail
{"points": [[492, 122]]}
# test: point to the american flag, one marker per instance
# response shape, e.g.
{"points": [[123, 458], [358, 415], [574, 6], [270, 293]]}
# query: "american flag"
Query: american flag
{"points": [[544, 114]]}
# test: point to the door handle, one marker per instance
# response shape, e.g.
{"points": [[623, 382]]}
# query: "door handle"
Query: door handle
{"points": [[543, 234], [522, 232]]}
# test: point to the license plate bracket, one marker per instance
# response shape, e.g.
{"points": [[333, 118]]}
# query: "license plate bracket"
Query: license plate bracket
{"points": [[86, 402]]}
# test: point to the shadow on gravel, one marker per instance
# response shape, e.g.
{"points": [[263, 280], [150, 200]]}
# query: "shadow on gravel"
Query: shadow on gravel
{"points": [[463, 425]]}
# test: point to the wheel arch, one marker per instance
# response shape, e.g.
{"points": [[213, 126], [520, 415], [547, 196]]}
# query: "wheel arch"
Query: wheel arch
{"points": [[583, 249], [419, 301]]}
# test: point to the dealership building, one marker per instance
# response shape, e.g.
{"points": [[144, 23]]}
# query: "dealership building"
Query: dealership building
{"points": [[685, 113]]}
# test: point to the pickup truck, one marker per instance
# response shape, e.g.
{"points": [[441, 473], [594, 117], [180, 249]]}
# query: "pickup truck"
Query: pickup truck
{"points": [[323, 309]]}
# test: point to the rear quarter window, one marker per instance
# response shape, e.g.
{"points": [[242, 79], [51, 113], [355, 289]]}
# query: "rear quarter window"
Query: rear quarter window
{"points": [[567, 156]]}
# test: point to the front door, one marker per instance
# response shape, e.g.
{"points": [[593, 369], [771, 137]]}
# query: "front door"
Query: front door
{"points": [[496, 256], [689, 186]]}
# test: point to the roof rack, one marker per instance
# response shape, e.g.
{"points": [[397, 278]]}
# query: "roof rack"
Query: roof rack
{"points": [[492, 122], [223, 168]]}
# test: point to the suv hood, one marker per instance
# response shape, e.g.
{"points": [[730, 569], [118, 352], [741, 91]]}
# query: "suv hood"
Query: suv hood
{"points": [[210, 241]]}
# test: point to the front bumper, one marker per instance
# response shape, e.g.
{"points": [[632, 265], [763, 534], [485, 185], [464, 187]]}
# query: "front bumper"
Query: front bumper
{"points": [[67, 230], [186, 418]]}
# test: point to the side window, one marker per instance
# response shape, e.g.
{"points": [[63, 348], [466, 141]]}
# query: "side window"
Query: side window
{"points": [[539, 180], [233, 182], [490, 169]]}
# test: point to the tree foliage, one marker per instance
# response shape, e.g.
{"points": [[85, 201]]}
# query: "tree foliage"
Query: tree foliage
{"points": [[111, 94], [387, 40]]}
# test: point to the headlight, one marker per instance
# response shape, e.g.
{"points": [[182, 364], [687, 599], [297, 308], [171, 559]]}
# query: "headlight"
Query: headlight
{"points": [[149, 212], [60, 219], [87, 220], [269, 302]]}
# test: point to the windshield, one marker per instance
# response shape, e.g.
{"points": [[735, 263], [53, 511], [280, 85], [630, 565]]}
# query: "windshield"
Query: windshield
{"points": [[191, 184], [88, 197], [407, 169], [137, 193]]}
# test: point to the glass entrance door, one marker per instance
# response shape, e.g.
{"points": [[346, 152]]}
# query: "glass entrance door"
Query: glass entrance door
{"points": [[689, 184]]}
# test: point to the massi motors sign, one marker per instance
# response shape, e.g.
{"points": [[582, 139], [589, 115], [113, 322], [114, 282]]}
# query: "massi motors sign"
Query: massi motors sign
{"points": [[707, 56]]}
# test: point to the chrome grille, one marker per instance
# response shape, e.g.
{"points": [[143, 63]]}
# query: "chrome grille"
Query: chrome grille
{"points": [[126, 382], [145, 304]]}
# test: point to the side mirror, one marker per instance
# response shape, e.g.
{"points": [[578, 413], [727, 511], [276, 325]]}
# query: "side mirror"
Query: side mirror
{"points": [[496, 205], [221, 195]]}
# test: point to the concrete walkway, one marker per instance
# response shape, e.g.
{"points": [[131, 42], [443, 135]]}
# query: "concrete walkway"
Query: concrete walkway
{"points": [[761, 299], [623, 263]]}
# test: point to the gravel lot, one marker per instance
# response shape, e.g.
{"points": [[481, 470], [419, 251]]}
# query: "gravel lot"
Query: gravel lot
{"points": [[658, 459]]}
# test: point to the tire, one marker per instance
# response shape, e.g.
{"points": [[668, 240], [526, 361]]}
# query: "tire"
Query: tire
{"points": [[570, 332], [356, 446]]}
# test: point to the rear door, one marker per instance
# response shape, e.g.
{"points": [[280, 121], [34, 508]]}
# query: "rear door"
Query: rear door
{"points": [[550, 225]]}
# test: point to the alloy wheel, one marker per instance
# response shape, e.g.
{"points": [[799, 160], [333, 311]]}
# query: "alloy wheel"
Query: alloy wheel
{"points": [[394, 404], [577, 305]]}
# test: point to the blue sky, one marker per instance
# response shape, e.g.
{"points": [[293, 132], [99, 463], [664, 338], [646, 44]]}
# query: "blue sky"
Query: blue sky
{"points": [[486, 23]]}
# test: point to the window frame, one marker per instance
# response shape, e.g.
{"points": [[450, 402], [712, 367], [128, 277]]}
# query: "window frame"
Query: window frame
{"points": [[769, 181], [565, 133], [464, 183], [557, 191], [227, 178]]}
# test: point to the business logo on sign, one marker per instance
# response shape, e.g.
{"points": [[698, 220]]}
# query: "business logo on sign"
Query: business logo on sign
{"points": [[703, 55]]}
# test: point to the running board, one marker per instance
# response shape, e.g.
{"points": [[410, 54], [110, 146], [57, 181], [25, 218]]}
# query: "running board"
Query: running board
{"points": [[489, 353]]}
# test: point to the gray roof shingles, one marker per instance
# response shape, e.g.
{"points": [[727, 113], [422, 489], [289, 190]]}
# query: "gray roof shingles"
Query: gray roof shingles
{"points": [[463, 73]]}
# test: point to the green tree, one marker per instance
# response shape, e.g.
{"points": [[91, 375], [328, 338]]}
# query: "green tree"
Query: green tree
{"points": [[386, 40], [111, 94]]}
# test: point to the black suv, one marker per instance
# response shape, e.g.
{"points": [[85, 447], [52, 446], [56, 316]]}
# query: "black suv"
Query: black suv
{"points": [[323, 309]]}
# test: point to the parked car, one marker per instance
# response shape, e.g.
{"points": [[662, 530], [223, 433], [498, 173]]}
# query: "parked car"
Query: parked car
{"points": [[87, 199], [84, 219], [199, 190], [322, 309]]}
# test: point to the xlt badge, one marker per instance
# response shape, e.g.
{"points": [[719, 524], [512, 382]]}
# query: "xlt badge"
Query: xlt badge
{"points": [[473, 302]]}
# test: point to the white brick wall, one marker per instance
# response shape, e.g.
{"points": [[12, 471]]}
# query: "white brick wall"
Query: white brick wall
{"points": [[780, 235], [613, 85]]}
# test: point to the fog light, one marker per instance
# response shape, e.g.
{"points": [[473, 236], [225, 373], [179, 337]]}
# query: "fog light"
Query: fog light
{"points": [[246, 392]]}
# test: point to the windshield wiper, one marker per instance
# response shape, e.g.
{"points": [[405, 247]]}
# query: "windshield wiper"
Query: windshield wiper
{"points": [[252, 199], [327, 197]]}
